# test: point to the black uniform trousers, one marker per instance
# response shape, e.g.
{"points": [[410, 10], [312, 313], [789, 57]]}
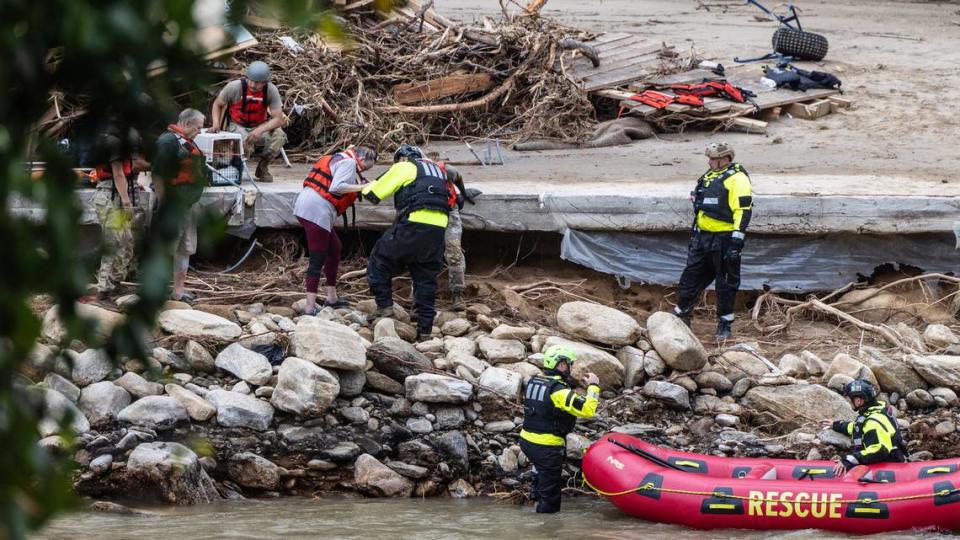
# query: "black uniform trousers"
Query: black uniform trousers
{"points": [[707, 262], [548, 460], [414, 246]]}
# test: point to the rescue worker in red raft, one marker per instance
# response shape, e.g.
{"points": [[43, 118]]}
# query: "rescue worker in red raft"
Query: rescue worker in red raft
{"points": [[551, 409], [723, 204], [876, 436]]}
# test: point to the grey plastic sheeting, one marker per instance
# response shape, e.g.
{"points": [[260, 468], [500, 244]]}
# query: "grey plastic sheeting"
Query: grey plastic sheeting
{"points": [[783, 263]]}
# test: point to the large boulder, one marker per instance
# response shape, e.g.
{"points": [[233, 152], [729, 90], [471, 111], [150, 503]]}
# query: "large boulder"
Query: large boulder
{"points": [[939, 336], [138, 386], [673, 395], [798, 404], [376, 479], [171, 473], [101, 402], [871, 306], [591, 359], [432, 388], [397, 359], [526, 370], [59, 409], [104, 321], [240, 410], [62, 385], [502, 351], [90, 366], [304, 389], [501, 381], [594, 322], [328, 344], [197, 324], [245, 364], [198, 357], [198, 408], [154, 412], [504, 331], [893, 375], [675, 343], [937, 370], [252, 471], [845, 364], [736, 365]]}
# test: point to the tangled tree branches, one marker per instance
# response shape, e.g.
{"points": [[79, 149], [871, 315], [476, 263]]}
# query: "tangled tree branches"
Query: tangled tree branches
{"points": [[346, 93], [774, 305]]}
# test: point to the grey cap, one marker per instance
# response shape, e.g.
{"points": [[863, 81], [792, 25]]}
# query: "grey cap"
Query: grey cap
{"points": [[258, 71]]}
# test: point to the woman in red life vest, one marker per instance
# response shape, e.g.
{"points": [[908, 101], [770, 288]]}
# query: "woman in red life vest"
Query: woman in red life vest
{"points": [[332, 186]]}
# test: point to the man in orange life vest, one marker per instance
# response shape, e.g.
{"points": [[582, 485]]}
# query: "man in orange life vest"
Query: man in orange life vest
{"points": [[252, 108], [179, 178], [117, 164]]}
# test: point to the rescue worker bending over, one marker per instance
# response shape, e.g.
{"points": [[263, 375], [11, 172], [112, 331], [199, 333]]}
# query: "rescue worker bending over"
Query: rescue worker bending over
{"points": [[876, 436], [551, 409], [423, 198], [723, 203], [253, 108]]}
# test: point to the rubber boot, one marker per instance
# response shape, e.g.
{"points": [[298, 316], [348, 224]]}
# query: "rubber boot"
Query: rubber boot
{"points": [[687, 318], [456, 301], [724, 330], [263, 171]]}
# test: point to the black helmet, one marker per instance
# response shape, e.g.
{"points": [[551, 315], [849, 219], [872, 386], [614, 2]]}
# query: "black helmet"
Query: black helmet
{"points": [[860, 388], [408, 151]]}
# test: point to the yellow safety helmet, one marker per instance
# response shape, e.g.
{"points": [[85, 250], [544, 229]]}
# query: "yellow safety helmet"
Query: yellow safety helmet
{"points": [[556, 354]]}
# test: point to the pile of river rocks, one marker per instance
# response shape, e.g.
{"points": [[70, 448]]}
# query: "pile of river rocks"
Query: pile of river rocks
{"points": [[351, 404]]}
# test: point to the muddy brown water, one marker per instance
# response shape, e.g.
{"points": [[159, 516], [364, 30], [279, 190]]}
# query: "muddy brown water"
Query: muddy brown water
{"points": [[394, 519]]}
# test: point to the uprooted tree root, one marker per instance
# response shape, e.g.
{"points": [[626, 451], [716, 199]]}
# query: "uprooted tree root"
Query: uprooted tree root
{"points": [[787, 311]]}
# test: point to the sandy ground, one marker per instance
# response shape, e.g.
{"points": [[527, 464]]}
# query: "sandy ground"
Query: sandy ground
{"points": [[899, 62]]}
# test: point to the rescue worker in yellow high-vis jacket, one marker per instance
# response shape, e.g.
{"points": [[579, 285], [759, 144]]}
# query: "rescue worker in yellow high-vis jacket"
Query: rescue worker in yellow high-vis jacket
{"points": [[723, 203], [551, 409], [876, 436]]}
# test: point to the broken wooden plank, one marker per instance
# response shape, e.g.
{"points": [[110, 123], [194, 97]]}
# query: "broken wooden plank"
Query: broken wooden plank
{"points": [[609, 63], [810, 111], [452, 85], [747, 125], [648, 61], [685, 77], [838, 102]]}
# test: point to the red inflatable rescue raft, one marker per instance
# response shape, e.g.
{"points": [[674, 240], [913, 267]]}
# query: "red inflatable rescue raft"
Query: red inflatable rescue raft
{"points": [[710, 492]]}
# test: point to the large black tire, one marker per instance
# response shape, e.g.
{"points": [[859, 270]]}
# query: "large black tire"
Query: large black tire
{"points": [[800, 45]]}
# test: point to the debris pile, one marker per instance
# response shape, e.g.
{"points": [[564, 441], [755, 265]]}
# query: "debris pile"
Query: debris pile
{"points": [[418, 75]]}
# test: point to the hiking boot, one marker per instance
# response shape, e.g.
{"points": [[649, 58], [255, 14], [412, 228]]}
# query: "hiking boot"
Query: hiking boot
{"points": [[383, 312], [687, 318], [724, 330], [423, 336], [456, 302], [263, 171]]}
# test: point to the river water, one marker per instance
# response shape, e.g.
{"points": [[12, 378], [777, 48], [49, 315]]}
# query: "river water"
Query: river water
{"points": [[336, 517]]}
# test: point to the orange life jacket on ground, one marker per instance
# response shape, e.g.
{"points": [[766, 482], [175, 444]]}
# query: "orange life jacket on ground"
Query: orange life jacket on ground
{"points": [[321, 177], [188, 165], [251, 109]]}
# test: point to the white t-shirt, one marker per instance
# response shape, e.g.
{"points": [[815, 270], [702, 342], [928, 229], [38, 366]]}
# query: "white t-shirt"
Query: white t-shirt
{"points": [[312, 207]]}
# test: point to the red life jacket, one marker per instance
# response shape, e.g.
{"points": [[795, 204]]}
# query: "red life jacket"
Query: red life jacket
{"points": [[451, 187], [105, 172], [188, 165], [321, 177], [251, 109]]}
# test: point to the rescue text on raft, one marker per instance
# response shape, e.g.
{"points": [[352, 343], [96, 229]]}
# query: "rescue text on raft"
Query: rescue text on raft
{"points": [[710, 492]]}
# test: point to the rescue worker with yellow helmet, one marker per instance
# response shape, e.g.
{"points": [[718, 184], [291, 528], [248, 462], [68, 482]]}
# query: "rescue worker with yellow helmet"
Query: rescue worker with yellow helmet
{"points": [[875, 433], [723, 205], [551, 409]]}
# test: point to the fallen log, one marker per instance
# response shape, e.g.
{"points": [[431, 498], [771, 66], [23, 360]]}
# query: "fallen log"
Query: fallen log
{"points": [[415, 92]]}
